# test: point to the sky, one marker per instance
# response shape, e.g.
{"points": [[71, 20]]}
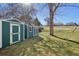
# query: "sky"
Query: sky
{"points": [[64, 14], [41, 13]]}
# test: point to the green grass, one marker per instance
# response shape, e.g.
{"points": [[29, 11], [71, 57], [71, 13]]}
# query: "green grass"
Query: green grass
{"points": [[60, 47], [46, 45], [67, 32]]}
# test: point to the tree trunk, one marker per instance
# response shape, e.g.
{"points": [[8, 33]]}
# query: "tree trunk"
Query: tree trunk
{"points": [[51, 23], [52, 10]]}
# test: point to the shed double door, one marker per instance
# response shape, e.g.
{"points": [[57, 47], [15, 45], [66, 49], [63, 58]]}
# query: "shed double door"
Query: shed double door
{"points": [[14, 33]]}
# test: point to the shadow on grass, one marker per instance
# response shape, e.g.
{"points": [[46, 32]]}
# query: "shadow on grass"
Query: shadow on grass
{"points": [[65, 39], [29, 41]]}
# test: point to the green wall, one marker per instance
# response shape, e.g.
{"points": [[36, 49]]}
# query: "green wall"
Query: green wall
{"points": [[25, 31], [21, 32], [30, 33], [5, 34]]}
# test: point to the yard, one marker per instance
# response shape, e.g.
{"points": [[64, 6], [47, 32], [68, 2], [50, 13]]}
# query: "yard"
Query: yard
{"points": [[65, 42]]}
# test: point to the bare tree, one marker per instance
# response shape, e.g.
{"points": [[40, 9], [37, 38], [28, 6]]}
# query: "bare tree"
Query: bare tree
{"points": [[22, 11], [2, 10], [52, 9]]}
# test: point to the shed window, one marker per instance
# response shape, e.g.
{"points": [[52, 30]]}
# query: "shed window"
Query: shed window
{"points": [[15, 29], [30, 28]]}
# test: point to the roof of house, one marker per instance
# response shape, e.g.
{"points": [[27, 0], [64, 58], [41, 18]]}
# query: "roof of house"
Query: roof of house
{"points": [[37, 22]]}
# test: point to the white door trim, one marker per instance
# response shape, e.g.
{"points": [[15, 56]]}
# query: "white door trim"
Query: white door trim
{"points": [[0, 34], [11, 34]]}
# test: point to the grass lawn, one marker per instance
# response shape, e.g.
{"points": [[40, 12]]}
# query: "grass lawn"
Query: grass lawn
{"points": [[46, 45], [67, 32]]}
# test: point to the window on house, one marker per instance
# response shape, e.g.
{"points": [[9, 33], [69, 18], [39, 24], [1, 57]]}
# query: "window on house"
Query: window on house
{"points": [[30, 28]]}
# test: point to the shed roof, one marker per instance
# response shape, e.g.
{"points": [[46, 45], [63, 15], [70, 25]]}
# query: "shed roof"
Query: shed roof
{"points": [[13, 19]]}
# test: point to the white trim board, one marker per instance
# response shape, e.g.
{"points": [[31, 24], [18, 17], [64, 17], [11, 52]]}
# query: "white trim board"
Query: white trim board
{"points": [[0, 34], [8, 20], [13, 18]]}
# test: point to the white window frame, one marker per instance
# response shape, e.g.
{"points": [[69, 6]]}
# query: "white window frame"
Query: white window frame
{"points": [[11, 34], [31, 29]]}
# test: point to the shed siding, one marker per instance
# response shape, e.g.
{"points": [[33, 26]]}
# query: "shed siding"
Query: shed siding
{"points": [[32, 31], [30, 34], [5, 34], [25, 31], [28, 31], [21, 32]]}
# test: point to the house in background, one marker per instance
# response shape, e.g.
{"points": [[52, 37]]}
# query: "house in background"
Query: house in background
{"points": [[37, 23]]}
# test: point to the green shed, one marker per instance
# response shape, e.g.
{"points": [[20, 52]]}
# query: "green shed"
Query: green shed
{"points": [[11, 31], [35, 31], [30, 31], [26, 31]]}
